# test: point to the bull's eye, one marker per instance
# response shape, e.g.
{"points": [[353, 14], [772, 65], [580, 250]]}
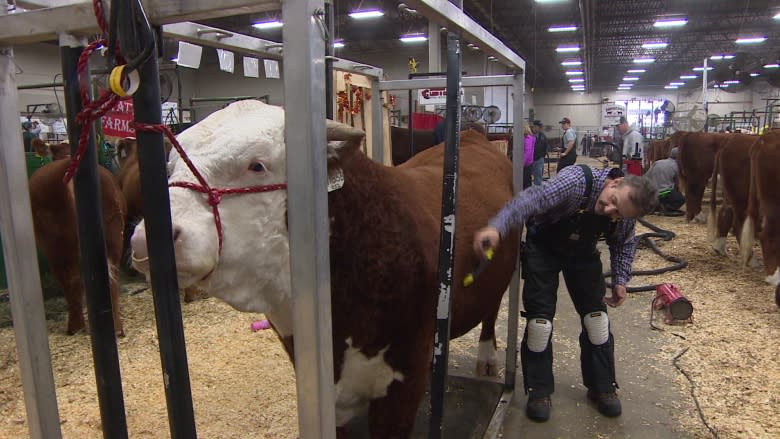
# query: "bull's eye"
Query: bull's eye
{"points": [[257, 167]]}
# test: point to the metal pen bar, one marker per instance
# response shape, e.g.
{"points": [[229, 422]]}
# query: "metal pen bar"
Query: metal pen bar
{"points": [[305, 139], [21, 263], [466, 81], [447, 237], [37, 86], [93, 262], [162, 261]]}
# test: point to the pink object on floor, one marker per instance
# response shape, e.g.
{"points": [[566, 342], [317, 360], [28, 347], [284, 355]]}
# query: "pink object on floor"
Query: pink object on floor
{"points": [[260, 324]]}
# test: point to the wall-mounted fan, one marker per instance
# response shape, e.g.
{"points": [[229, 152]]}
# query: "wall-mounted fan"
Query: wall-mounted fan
{"points": [[491, 114], [471, 113]]}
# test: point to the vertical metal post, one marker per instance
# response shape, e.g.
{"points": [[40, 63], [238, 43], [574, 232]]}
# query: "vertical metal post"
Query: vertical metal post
{"points": [[704, 95], [410, 122], [305, 139], [377, 123], [518, 104], [21, 263], [328, 60], [447, 236], [434, 47], [93, 263], [162, 261]]}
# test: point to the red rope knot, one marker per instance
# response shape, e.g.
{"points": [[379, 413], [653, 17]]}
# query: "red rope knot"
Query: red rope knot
{"points": [[215, 196]]}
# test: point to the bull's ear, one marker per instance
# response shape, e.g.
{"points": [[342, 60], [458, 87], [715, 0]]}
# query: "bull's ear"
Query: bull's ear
{"points": [[343, 138]]}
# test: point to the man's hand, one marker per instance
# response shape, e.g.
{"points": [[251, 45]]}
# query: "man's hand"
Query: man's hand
{"points": [[618, 296], [489, 234]]}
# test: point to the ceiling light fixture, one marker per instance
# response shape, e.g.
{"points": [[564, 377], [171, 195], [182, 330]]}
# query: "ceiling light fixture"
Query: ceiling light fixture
{"points": [[631, 78], [571, 63], [671, 87], [567, 49], [623, 89], [626, 85], [677, 83], [636, 71], [576, 80], [268, 24], [750, 40], [654, 45], [644, 60], [338, 44], [701, 69], [754, 74], [373, 13], [418, 38], [720, 57], [771, 66], [688, 77], [777, 16], [561, 28], [671, 22], [573, 72], [732, 81]]}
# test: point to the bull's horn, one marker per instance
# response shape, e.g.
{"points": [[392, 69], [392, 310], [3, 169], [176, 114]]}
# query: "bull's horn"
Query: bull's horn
{"points": [[351, 136]]}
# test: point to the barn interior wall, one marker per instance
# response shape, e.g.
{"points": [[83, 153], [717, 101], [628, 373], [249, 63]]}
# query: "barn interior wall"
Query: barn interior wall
{"points": [[38, 64]]}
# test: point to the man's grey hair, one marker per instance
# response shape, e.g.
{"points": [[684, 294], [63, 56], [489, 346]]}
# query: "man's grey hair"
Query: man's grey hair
{"points": [[644, 195]]}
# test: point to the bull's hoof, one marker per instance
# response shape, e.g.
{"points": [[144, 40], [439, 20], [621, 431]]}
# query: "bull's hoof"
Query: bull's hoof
{"points": [[719, 246], [485, 368]]}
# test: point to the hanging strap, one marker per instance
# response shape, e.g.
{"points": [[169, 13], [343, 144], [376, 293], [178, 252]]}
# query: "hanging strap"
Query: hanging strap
{"points": [[588, 186]]}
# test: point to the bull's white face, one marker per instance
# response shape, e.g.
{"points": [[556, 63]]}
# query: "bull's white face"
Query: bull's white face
{"points": [[239, 146]]}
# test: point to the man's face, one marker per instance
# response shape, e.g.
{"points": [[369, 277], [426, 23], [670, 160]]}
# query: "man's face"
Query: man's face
{"points": [[622, 127], [615, 202], [564, 126], [534, 129]]}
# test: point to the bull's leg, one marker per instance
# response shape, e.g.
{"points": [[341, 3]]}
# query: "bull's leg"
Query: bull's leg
{"points": [[770, 248], [393, 416], [693, 197], [724, 222], [119, 329], [74, 300], [487, 356]]}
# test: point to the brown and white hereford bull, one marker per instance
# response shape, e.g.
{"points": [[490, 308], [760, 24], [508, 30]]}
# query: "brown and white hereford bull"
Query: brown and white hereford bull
{"points": [[732, 166], [56, 233], [384, 238], [696, 159], [764, 205]]}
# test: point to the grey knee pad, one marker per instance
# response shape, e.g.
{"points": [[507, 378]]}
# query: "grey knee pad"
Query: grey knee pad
{"points": [[597, 326], [539, 331]]}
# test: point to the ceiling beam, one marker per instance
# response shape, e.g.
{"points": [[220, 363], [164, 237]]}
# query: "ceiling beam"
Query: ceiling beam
{"points": [[78, 18]]}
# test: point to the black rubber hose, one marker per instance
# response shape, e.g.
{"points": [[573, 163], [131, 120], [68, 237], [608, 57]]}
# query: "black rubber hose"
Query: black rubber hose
{"points": [[646, 240]]}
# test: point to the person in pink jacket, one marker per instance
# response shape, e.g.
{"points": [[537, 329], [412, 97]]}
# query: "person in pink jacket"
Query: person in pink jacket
{"points": [[529, 141]]}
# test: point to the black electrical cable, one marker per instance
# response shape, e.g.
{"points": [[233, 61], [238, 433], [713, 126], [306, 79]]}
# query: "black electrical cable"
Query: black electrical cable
{"points": [[646, 240]]}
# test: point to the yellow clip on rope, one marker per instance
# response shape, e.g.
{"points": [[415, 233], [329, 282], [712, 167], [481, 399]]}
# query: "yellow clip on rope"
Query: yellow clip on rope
{"points": [[123, 85]]}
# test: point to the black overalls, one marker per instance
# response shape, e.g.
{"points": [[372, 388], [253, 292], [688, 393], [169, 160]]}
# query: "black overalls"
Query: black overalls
{"points": [[569, 246]]}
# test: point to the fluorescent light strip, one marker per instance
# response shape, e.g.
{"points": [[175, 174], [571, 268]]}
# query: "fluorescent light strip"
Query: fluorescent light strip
{"points": [[573, 72], [374, 13], [671, 87], [561, 28], [567, 49], [644, 60], [413, 38], [338, 44], [677, 83], [671, 22], [268, 25], [571, 63], [731, 82], [777, 16], [750, 40], [688, 77], [654, 45], [636, 71], [754, 74], [631, 78], [701, 69], [576, 80], [771, 66], [623, 89], [626, 85]]}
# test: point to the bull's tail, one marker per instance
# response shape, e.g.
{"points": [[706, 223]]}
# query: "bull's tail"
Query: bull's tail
{"points": [[747, 235], [712, 220]]}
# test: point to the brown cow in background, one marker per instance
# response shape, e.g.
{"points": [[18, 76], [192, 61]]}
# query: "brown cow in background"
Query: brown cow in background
{"points": [[696, 159], [56, 233], [56, 151], [764, 205], [732, 163], [423, 139], [657, 150]]}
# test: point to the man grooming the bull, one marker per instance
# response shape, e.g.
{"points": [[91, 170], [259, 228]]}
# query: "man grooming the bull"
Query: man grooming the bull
{"points": [[565, 217]]}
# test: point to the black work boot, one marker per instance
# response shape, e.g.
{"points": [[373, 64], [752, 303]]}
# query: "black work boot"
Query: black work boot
{"points": [[538, 408], [607, 404]]}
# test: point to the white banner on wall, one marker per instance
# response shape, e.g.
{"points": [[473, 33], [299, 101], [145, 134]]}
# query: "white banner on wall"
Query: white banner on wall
{"points": [[611, 113], [434, 96]]}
